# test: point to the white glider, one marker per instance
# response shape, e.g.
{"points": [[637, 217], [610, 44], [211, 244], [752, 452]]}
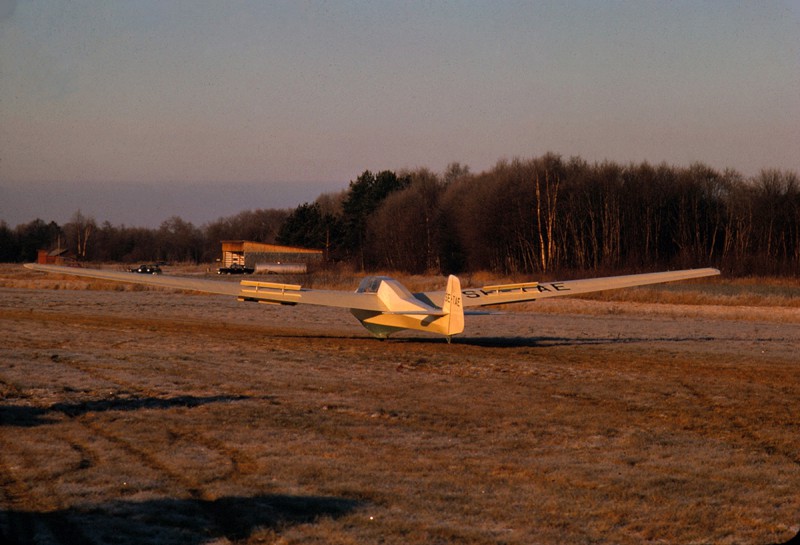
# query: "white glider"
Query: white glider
{"points": [[382, 304]]}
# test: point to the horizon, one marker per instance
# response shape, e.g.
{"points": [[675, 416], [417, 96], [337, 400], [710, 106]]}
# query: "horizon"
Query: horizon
{"points": [[148, 205], [142, 204]]}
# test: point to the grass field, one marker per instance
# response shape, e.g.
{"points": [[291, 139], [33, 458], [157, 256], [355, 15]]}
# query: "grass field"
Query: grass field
{"points": [[150, 417]]}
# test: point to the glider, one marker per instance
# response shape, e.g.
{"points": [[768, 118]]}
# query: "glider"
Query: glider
{"points": [[382, 304]]}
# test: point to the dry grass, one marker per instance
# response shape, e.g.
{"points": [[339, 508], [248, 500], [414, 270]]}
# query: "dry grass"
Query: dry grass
{"points": [[153, 418]]}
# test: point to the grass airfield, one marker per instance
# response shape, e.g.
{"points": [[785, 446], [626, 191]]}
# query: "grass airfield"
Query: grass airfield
{"points": [[154, 417]]}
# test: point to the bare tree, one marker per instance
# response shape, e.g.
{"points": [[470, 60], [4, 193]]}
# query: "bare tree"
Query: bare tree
{"points": [[546, 214], [80, 229]]}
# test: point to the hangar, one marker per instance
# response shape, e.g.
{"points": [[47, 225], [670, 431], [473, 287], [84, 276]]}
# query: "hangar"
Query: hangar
{"points": [[261, 256]]}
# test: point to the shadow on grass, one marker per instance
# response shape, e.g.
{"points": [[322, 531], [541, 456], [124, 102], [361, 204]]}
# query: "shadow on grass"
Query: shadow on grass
{"points": [[793, 541], [168, 521], [26, 417], [533, 342], [584, 341]]}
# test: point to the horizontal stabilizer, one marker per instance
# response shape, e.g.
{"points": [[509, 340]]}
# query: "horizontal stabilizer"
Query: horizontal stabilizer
{"points": [[430, 312]]}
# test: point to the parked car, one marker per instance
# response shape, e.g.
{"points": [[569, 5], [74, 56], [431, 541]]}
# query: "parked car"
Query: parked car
{"points": [[147, 269], [235, 269]]}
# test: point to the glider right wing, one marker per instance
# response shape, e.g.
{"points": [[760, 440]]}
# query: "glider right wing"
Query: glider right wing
{"points": [[530, 291]]}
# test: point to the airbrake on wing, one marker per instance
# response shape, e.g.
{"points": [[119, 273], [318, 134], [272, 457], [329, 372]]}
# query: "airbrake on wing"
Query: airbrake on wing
{"points": [[260, 292]]}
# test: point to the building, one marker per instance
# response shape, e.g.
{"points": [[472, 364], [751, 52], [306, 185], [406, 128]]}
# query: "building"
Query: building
{"points": [[59, 256], [259, 256]]}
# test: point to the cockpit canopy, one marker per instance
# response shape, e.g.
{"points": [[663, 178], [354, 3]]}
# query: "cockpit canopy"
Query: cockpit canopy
{"points": [[371, 284]]}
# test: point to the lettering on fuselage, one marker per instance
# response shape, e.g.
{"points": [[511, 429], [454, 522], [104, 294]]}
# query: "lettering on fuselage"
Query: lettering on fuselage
{"points": [[539, 288]]}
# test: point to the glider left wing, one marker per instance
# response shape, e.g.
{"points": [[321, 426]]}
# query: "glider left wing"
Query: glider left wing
{"points": [[267, 292], [176, 282]]}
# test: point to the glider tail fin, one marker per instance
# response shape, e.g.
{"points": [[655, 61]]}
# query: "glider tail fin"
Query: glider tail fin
{"points": [[453, 307]]}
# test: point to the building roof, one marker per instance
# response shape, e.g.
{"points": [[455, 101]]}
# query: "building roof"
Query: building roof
{"points": [[250, 246]]}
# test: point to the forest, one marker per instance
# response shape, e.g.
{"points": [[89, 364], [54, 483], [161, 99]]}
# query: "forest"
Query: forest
{"points": [[544, 215]]}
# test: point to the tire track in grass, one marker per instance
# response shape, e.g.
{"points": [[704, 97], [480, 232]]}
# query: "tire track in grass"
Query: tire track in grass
{"points": [[24, 522], [241, 463], [30, 514], [145, 456], [761, 441], [148, 455], [217, 517], [17, 522]]}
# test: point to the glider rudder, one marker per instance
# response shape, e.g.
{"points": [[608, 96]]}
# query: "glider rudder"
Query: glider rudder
{"points": [[453, 307]]}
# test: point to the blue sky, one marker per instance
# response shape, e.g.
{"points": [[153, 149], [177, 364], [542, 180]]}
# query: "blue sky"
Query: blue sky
{"points": [[296, 97]]}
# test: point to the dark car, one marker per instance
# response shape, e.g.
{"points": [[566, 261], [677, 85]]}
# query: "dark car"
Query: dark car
{"points": [[147, 269], [235, 269]]}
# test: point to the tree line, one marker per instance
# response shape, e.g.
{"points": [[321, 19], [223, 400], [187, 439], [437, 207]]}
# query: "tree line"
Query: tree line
{"points": [[544, 215]]}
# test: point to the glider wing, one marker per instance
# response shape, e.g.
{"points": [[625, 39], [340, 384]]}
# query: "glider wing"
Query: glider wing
{"points": [[530, 291], [267, 292]]}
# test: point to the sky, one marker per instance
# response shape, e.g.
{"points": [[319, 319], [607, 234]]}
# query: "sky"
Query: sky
{"points": [[134, 112]]}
